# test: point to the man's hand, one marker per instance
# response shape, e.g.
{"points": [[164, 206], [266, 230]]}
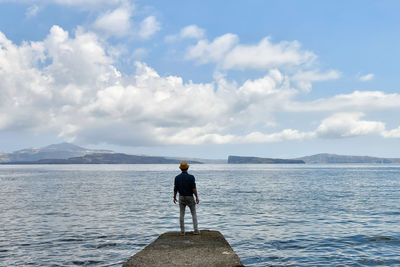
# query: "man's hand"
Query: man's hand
{"points": [[197, 200], [174, 200]]}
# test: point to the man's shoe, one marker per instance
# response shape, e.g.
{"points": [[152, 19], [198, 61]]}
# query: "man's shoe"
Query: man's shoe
{"points": [[197, 232], [182, 233]]}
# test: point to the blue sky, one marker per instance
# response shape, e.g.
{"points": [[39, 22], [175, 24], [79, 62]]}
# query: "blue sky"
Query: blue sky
{"points": [[201, 78]]}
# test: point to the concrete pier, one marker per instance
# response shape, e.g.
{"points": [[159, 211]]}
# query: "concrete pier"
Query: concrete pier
{"points": [[209, 248]]}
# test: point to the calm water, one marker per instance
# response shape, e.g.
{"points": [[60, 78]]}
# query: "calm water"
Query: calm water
{"points": [[272, 215]]}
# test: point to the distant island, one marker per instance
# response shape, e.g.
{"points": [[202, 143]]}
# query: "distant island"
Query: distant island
{"points": [[67, 153], [55, 151], [340, 159], [107, 158], [256, 160]]}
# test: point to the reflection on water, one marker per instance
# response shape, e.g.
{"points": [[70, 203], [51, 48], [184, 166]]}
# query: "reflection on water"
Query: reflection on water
{"points": [[276, 215]]}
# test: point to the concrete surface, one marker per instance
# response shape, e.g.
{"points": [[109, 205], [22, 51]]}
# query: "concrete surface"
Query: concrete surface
{"points": [[209, 248]]}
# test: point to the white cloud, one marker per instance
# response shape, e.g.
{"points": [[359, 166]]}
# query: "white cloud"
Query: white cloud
{"points": [[116, 22], [366, 77], [341, 125], [228, 53], [152, 106], [32, 11], [356, 101], [188, 32], [68, 84], [304, 79], [114, 17], [253, 137], [21, 84], [348, 125], [287, 134], [192, 31], [205, 52], [79, 61], [315, 76], [81, 95], [267, 55], [395, 133], [148, 27], [44, 97]]}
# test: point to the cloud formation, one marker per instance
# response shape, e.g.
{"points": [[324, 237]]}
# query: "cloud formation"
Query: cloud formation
{"points": [[356, 101], [113, 18], [367, 77], [188, 32], [228, 53], [348, 125], [304, 79], [116, 22], [69, 84], [192, 31], [32, 11], [215, 52], [395, 133], [148, 27]]}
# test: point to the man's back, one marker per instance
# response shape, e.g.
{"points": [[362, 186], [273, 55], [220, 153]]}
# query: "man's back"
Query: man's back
{"points": [[185, 183]]}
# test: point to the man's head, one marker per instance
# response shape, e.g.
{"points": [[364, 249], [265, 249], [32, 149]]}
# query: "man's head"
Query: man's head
{"points": [[184, 166]]}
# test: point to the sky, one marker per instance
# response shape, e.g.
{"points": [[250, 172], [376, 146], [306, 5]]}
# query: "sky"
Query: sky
{"points": [[202, 79]]}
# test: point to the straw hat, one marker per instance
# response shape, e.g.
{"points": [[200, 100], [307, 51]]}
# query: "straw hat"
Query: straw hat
{"points": [[184, 166]]}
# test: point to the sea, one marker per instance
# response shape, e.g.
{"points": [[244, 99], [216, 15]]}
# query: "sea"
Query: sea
{"points": [[272, 215]]}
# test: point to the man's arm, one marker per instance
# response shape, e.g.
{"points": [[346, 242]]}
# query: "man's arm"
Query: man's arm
{"points": [[175, 191], [195, 193], [174, 197], [195, 190]]}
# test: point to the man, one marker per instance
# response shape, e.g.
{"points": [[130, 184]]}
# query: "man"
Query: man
{"points": [[186, 186]]}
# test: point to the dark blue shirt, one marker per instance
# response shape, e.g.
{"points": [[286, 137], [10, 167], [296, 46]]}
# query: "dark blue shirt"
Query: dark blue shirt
{"points": [[184, 184]]}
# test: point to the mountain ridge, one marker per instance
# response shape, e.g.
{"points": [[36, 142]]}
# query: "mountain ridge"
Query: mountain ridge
{"points": [[258, 160], [106, 158], [54, 151], [66, 153], [327, 158]]}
